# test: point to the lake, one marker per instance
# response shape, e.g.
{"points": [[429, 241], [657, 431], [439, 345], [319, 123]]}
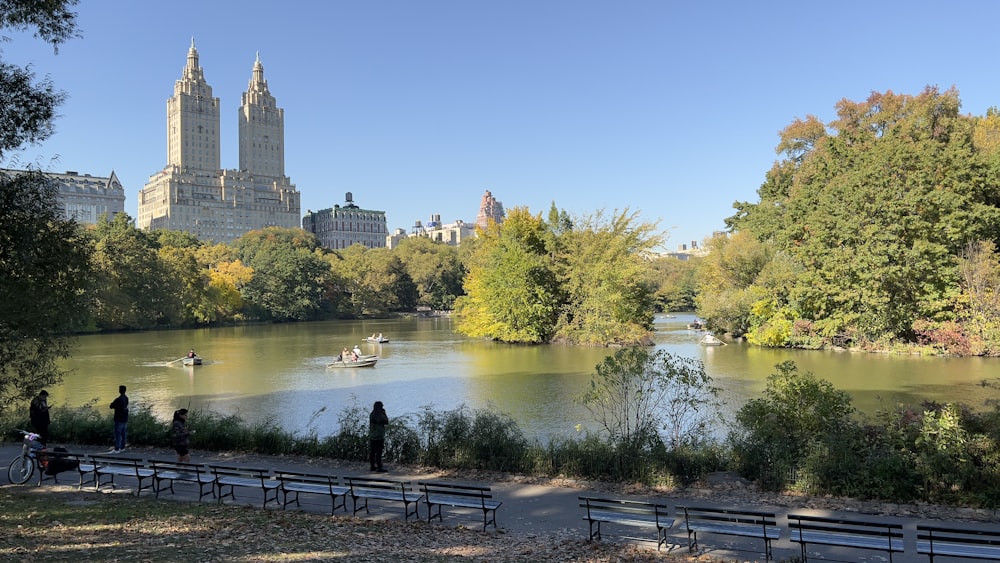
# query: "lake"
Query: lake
{"points": [[279, 373]]}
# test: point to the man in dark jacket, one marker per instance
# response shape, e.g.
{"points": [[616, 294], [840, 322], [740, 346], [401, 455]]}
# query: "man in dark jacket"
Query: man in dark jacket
{"points": [[121, 420], [377, 422], [39, 412]]}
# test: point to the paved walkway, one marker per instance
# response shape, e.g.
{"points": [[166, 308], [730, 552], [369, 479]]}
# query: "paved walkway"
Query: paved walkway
{"points": [[534, 509]]}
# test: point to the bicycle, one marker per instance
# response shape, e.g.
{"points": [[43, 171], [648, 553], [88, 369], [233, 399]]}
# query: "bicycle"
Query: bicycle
{"points": [[23, 466]]}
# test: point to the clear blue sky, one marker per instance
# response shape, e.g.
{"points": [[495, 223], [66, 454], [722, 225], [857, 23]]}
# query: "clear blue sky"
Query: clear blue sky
{"points": [[667, 108]]}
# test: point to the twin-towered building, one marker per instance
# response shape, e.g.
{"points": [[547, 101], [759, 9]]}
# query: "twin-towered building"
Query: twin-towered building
{"points": [[193, 193]]}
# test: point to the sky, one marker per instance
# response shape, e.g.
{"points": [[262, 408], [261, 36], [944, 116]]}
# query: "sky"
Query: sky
{"points": [[667, 109]]}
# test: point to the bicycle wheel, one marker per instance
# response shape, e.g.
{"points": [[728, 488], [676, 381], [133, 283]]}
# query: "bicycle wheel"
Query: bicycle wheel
{"points": [[20, 470]]}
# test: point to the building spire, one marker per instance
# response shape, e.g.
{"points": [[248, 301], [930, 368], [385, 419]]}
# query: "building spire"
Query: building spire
{"points": [[192, 70]]}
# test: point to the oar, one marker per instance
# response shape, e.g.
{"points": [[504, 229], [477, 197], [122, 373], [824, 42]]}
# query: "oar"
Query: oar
{"points": [[175, 361]]}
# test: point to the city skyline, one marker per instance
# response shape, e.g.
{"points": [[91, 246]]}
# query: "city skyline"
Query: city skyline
{"points": [[671, 110]]}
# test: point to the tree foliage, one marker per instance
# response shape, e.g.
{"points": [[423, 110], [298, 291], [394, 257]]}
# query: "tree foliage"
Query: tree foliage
{"points": [[435, 268], [375, 281], [604, 276], [290, 276], [43, 261], [511, 291], [44, 270], [870, 212], [584, 281], [774, 433]]}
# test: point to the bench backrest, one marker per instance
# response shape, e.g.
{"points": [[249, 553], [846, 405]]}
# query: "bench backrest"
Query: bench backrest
{"points": [[731, 516], [182, 467], [456, 490], [624, 506], [311, 478], [801, 522], [958, 535], [404, 487], [229, 471], [116, 461]]}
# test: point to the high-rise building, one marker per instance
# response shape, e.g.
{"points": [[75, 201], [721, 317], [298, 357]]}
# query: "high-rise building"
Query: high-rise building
{"points": [[192, 193], [343, 225], [84, 197], [489, 208]]}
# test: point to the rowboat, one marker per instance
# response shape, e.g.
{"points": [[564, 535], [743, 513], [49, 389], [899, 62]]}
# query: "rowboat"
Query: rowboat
{"points": [[710, 340], [196, 361], [376, 339], [359, 363]]}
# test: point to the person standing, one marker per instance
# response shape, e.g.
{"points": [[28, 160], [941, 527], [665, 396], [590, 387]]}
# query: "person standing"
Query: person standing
{"points": [[181, 435], [39, 412], [377, 422], [120, 405]]}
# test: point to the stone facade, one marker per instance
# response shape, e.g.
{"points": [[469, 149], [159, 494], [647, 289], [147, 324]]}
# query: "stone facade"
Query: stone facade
{"points": [[192, 193], [339, 227], [84, 197], [489, 208]]}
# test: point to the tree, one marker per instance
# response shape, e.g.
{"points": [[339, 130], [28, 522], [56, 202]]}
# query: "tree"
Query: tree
{"points": [[636, 393], [290, 276], [511, 291], [874, 213], [132, 290], [376, 281], [43, 261], [604, 273], [44, 271], [436, 270]]}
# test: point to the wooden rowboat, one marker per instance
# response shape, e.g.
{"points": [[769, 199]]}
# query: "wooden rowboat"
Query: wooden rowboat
{"points": [[360, 363]]}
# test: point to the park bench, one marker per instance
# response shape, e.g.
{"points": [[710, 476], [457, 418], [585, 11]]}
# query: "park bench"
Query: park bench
{"points": [[233, 477], [968, 543], [383, 489], [462, 496], [53, 462], [108, 466], [626, 513], [743, 523], [845, 532], [294, 483], [170, 471]]}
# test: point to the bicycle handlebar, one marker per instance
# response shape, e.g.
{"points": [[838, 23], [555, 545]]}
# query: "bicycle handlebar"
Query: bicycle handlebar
{"points": [[29, 435]]}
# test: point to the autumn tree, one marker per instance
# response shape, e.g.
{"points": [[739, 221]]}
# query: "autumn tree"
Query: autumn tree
{"points": [[290, 275], [872, 210], [374, 280]]}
